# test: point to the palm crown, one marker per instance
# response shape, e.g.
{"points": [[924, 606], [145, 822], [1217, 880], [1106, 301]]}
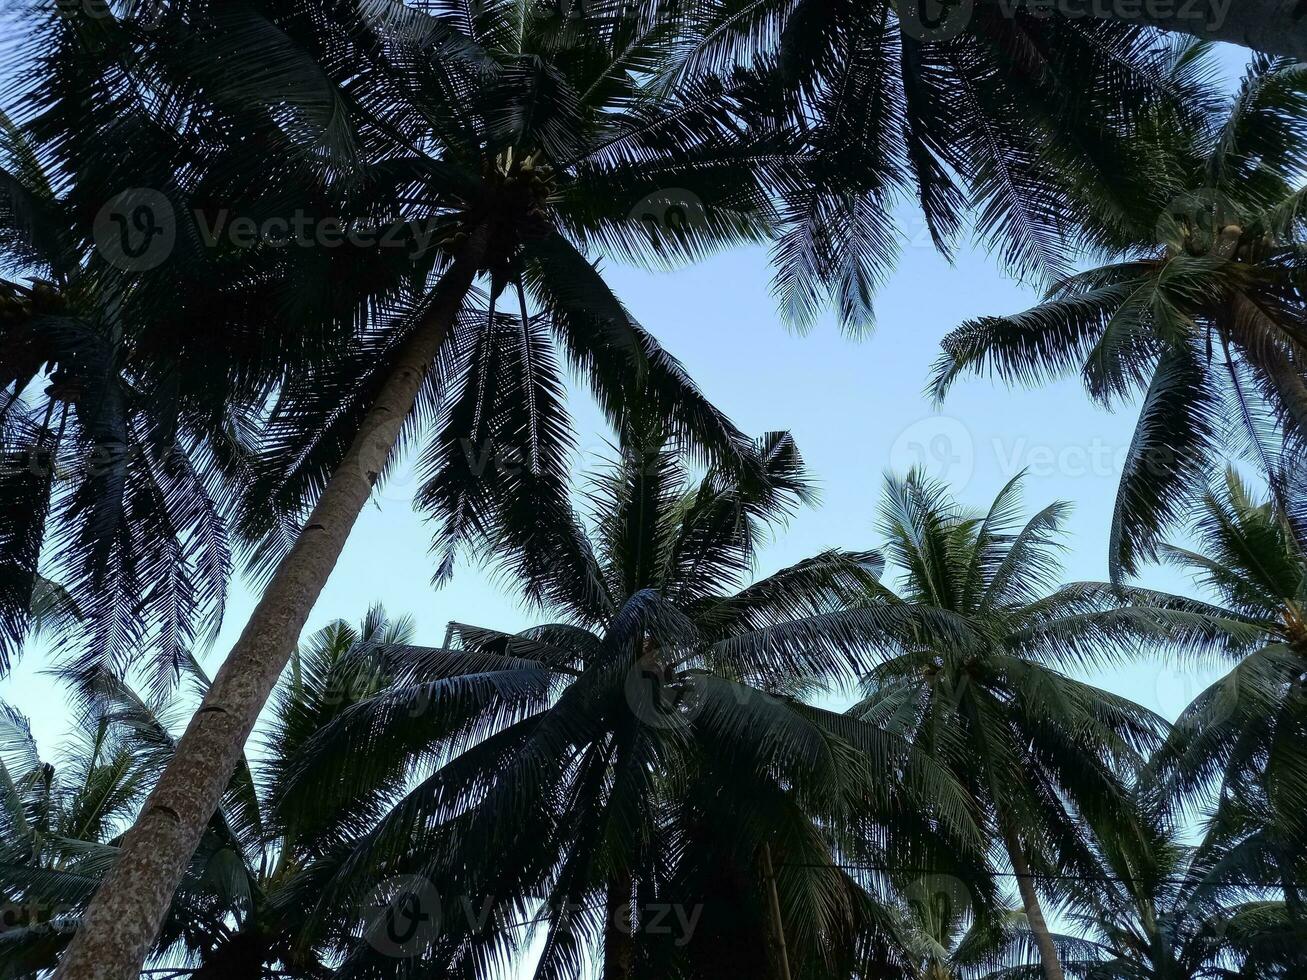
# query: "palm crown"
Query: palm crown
{"points": [[521, 139], [1046, 757], [1202, 318], [1241, 738], [61, 824], [508, 145], [651, 746], [121, 466], [997, 117], [1162, 909]]}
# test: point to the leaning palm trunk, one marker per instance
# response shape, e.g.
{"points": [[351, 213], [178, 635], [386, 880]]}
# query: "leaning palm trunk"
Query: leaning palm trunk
{"points": [[128, 909], [1048, 957]]}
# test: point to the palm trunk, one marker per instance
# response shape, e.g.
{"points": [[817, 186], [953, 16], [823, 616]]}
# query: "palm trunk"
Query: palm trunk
{"points": [[619, 939], [1030, 900], [777, 923], [129, 907], [1293, 903], [1276, 27]]}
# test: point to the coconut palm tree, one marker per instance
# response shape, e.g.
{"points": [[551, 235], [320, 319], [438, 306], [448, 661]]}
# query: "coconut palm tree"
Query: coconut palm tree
{"points": [[939, 936], [1241, 739], [60, 827], [116, 475], [490, 143], [1045, 756], [1201, 314], [62, 824], [648, 747], [1164, 910], [985, 114]]}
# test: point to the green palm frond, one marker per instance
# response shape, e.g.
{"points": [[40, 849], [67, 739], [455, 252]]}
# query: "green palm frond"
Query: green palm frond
{"points": [[1197, 317]]}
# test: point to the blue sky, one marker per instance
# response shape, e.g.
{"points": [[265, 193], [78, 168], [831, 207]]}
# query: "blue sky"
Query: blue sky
{"points": [[857, 408]]}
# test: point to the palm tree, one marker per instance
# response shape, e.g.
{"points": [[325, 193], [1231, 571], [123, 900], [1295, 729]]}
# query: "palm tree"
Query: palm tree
{"points": [[980, 119], [116, 475], [1164, 910], [1204, 323], [1044, 756], [939, 936], [1242, 738], [650, 745], [507, 141], [62, 825]]}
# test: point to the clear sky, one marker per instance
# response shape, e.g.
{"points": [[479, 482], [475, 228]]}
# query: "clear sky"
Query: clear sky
{"points": [[856, 408]]}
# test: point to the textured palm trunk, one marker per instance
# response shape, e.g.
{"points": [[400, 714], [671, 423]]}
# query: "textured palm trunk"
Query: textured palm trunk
{"points": [[128, 909], [777, 922], [619, 939], [1048, 957], [1277, 27]]}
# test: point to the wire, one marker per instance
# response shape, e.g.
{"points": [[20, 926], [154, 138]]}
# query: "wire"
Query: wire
{"points": [[923, 871], [1033, 875]]}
